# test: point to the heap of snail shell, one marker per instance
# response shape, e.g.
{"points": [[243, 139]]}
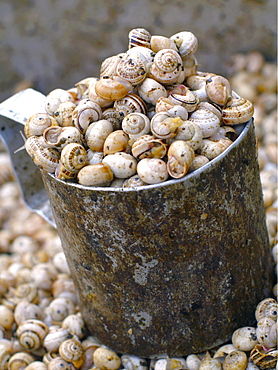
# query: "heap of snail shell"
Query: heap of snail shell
{"points": [[150, 114]]}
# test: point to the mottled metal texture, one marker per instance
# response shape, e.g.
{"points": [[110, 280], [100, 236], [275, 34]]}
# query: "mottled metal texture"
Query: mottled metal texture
{"points": [[173, 268]]}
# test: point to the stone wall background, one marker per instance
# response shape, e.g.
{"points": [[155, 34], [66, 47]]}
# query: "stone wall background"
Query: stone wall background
{"points": [[56, 43]]}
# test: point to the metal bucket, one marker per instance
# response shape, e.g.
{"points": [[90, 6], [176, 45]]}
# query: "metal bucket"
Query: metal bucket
{"points": [[173, 268]]}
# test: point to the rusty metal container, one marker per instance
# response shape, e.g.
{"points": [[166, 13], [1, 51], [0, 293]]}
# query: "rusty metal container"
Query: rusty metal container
{"points": [[173, 268]]}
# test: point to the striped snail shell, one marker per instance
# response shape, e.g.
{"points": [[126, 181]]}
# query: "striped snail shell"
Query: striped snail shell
{"points": [[112, 115], [267, 308], [186, 43], [63, 114], [167, 60], [72, 351], [139, 37], [132, 68], [164, 126], [37, 123], [239, 111], [147, 146], [63, 173], [85, 113], [166, 78], [109, 65], [31, 333], [180, 156], [188, 100], [206, 120], [73, 157], [59, 137], [130, 103], [20, 360], [263, 357]]}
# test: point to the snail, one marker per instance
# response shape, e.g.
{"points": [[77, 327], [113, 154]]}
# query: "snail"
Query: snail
{"points": [[98, 174], [37, 123], [106, 359], [152, 170], [31, 333], [123, 165]]}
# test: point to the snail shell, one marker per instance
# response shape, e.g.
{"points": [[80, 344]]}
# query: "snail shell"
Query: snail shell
{"points": [[160, 42], [180, 156], [209, 363], [97, 133], [94, 157], [55, 98], [206, 120], [235, 360], [47, 159], [106, 359], [85, 113], [37, 365], [167, 60], [64, 287], [135, 125], [132, 68], [55, 337], [163, 105], [179, 111], [84, 86], [267, 308], [59, 363], [98, 174], [20, 360], [112, 115], [150, 91], [26, 292], [164, 126], [245, 338], [146, 54], [117, 141], [139, 37], [186, 43], [134, 363], [212, 149], [37, 123], [198, 162], [4, 357], [188, 100], [63, 173], [193, 362], [60, 308], [218, 90], [43, 275], [152, 170], [63, 114], [112, 88], [72, 351], [211, 107], [59, 137], [75, 325], [239, 111], [6, 317], [190, 65], [267, 332], [147, 146], [165, 78], [109, 65], [198, 80], [263, 358], [129, 104], [133, 182], [94, 97], [31, 333], [73, 157], [123, 165], [190, 132]]}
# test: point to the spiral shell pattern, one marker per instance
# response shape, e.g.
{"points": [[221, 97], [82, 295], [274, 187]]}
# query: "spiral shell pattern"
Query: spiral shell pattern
{"points": [[31, 333], [132, 69], [85, 113], [167, 60], [73, 156], [136, 124], [129, 104], [59, 137], [240, 111], [71, 350], [109, 65], [37, 123]]}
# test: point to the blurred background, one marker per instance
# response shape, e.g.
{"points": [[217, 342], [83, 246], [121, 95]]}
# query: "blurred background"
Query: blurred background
{"points": [[55, 43]]}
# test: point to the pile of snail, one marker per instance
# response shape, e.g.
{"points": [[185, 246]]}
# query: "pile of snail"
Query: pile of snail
{"points": [[150, 116]]}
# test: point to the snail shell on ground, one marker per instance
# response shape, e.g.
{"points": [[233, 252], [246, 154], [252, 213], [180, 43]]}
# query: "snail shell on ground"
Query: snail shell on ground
{"points": [[63, 114], [133, 182], [150, 91], [109, 65], [164, 126], [129, 104], [112, 115], [239, 111], [98, 174], [115, 142], [267, 332], [97, 133], [180, 156], [235, 360], [106, 359], [55, 337], [206, 120], [59, 137], [147, 146], [136, 124], [73, 157], [123, 165], [72, 351], [167, 60], [161, 42], [186, 43], [218, 90], [55, 98], [20, 360], [112, 89], [47, 159], [133, 69], [152, 170], [265, 359], [85, 113], [212, 149], [198, 162], [190, 132], [139, 37], [245, 338], [267, 308], [31, 333], [37, 123]]}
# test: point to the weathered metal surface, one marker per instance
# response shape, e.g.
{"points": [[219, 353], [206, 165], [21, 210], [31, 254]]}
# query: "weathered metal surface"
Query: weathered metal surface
{"points": [[173, 268]]}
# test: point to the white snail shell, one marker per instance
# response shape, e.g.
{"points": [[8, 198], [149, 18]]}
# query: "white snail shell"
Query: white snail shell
{"points": [[212, 149], [106, 359], [63, 114], [59, 137], [135, 125], [180, 156], [235, 360], [26, 310], [151, 90], [188, 100], [209, 363], [109, 65], [267, 308], [129, 104], [133, 182], [6, 317], [133, 363], [59, 308], [112, 115], [112, 89], [206, 120], [167, 60], [139, 37], [123, 165], [31, 333], [166, 78], [94, 157], [85, 113], [97, 133], [193, 362], [55, 98], [218, 90], [84, 86], [198, 161], [190, 132], [162, 42], [72, 351], [37, 123], [20, 360], [55, 337], [152, 170], [59, 363], [267, 332], [133, 68], [179, 111], [116, 141], [147, 146], [98, 174], [186, 43], [239, 111], [245, 338], [75, 325], [164, 126]]}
